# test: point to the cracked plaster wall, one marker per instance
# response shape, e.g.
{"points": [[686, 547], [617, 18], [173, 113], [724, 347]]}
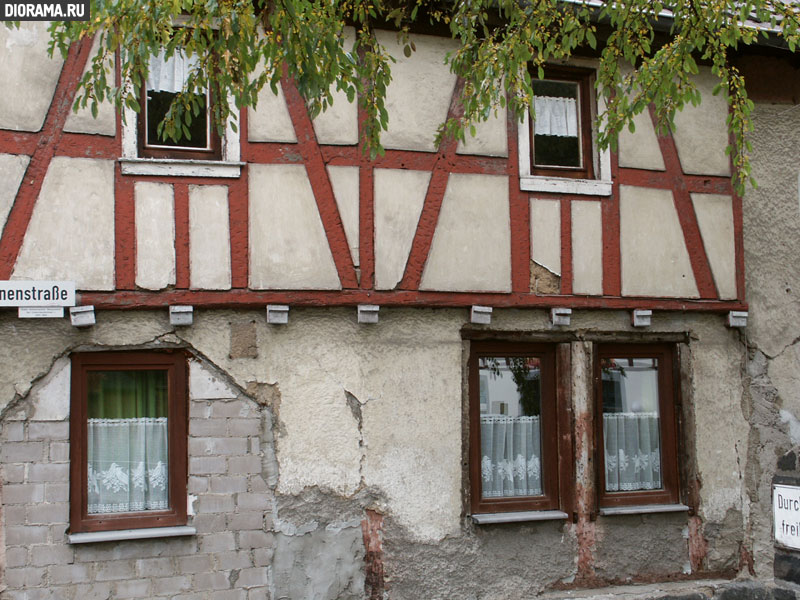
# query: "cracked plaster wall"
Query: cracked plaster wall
{"points": [[772, 252], [370, 417]]}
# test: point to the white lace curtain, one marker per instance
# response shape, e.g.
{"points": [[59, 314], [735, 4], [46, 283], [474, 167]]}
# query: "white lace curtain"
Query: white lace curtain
{"points": [[555, 116], [633, 453], [169, 74], [127, 465], [510, 456]]}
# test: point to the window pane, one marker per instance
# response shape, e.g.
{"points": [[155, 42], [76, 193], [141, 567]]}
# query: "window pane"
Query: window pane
{"points": [[127, 448], [557, 127], [165, 79], [631, 424], [157, 106], [510, 430]]}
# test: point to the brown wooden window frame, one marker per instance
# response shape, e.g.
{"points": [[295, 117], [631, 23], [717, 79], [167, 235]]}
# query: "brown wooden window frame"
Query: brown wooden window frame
{"points": [[585, 79], [146, 150], [668, 401], [175, 364], [554, 431]]}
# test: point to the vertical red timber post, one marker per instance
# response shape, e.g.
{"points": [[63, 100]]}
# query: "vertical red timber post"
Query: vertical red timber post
{"points": [[519, 212], [182, 260], [372, 529]]}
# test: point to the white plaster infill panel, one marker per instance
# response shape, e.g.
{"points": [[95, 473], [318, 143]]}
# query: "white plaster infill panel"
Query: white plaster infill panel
{"points": [[344, 181], [269, 121], [701, 133], [640, 149], [155, 235], [29, 74], [399, 196], [587, 247], [209, 237], [71, 233], [106, 121], [13, 167], [288, 246], [418, 97], [338, 124], [471, 248], [655, 261], [715, 218], [546, 234], [491, 137]]}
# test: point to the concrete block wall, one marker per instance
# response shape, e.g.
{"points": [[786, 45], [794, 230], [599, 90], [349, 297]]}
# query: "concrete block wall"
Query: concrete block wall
{"points": [[230, 505]]}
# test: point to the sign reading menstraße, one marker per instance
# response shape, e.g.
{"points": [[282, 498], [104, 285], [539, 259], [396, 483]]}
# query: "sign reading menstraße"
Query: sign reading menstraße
{"points": [[37, 293], [38, 10]]}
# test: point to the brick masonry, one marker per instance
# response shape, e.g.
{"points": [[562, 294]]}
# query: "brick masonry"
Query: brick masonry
{"points": [[230, 505]]}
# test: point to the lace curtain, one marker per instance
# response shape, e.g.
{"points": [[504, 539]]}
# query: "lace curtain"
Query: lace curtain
{"points": [[169, 74], [127, 441], [555, 116], [510, 456], [632, 453], [127, 465]]}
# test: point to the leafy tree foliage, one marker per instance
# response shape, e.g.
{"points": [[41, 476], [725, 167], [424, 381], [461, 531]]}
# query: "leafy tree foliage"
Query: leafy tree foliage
{"points": [[647, 51]]}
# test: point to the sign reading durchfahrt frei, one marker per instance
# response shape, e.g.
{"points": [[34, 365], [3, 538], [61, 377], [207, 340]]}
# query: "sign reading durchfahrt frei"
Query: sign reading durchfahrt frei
{"points": [[786, 514], [37, 293]]}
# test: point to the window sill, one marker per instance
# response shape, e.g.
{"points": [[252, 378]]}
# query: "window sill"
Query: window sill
{"points": [[519, 517], [643, 510], [180, 168], [130, 534], [563, 185]]}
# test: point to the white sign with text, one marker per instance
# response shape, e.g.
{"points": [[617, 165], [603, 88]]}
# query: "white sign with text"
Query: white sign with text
{"points": [[786, 514], [37, 293]]}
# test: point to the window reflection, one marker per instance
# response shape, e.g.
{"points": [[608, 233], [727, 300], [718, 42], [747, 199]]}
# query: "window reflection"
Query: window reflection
{"points": [[510, 428], [631, 424]]}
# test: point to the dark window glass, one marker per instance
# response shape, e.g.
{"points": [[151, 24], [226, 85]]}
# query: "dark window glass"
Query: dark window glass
{"points": [[158, 104]]}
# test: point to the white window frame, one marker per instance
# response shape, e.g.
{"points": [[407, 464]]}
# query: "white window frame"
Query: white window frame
{"points": [[132, 164], [601, 185]]}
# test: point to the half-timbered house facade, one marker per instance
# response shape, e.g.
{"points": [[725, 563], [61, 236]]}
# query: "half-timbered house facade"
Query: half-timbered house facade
{"points": [[477, 370]]}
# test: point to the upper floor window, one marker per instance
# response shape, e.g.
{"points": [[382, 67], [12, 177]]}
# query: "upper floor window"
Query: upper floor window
{"points": [[557, 150], [128, 461], [197, 140], [198, 152], [561, 132]]}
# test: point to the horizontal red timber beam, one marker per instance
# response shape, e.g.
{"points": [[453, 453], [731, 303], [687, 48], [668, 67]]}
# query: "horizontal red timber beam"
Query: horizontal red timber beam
{"points": [[698, 184], [128, 300], [271, 153], [18, 142], [80, 145]]}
